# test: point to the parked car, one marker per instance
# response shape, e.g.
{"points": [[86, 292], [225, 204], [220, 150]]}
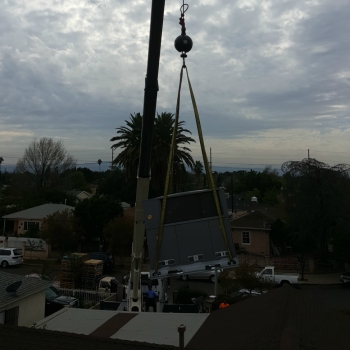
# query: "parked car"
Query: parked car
{"points": [[54, 300], [205, 274], [56, 284], [345, 277], [108, 263], [10, 256]]}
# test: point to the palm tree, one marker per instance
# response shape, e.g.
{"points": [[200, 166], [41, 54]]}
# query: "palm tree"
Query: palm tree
{"points": [[129, 138]]}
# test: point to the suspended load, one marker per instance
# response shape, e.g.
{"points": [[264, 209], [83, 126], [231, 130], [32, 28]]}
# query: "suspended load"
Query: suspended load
{"points": [[192, 239]]}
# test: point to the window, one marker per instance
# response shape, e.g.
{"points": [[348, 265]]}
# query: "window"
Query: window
{"points": [[245, 237], [11, 316], [5, 252], [30, 225]]}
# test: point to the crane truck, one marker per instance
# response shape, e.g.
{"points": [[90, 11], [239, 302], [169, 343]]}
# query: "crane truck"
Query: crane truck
{"points": [[195, 225], [143, 176]]}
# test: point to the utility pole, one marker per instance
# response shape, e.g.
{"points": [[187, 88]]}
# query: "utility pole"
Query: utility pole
{"points": [[210, 161], [232, 192], [112, 159]]}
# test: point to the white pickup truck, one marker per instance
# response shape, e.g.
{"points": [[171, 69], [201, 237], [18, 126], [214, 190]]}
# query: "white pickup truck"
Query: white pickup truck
{"points": [[268, 274]]}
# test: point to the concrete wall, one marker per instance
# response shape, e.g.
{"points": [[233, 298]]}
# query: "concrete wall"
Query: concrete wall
{"points": [[259, 240], [31, 308], [42, 251], [36, 254]]}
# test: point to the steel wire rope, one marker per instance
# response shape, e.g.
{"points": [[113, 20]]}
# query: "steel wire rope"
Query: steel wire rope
{"points": [[168, 173], [206, 164], [169, 168]]}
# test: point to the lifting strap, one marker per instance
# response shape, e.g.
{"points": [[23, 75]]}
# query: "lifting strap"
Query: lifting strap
{"points": [[209, 175]]}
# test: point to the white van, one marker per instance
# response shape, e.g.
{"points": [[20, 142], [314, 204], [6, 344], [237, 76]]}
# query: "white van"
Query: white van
{"points": [[10, 256]]}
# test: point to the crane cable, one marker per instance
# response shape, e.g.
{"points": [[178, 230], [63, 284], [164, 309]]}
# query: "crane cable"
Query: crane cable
{"points": [[209, 175]]}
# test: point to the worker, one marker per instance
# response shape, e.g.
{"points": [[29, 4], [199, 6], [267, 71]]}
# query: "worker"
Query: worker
{"points": [[223, 304], [151, 299]]}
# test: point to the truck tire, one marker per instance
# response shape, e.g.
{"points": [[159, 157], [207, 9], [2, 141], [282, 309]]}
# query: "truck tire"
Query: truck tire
{"points": [[4, 264], [284, 282]]}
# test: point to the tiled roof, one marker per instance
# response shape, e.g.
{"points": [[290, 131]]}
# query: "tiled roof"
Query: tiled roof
{"points": [[148, 327], [255, 219], [39, 212], [21, 338], [28, 287], [271, 320]]}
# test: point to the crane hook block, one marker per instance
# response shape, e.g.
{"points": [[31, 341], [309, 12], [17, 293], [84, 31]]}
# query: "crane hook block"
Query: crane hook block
{"points": [[183, 43]]}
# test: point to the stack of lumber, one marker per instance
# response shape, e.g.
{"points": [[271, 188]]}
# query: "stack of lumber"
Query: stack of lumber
{"points": [[92, 273], [72, 269]]}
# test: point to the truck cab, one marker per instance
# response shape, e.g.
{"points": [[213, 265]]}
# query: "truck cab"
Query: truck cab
{"points": [[268, 274]]}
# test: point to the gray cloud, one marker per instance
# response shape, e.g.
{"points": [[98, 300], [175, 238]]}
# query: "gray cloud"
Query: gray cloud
{"points": [[266, 72]]}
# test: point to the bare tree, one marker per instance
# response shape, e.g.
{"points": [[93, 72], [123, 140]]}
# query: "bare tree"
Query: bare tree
{"points": [[46, 159]]}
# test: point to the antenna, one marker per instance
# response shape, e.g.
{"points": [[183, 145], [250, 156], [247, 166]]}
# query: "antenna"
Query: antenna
{"points": [[12, 288]]}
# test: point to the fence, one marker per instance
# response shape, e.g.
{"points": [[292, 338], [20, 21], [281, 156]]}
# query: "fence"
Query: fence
{"points": [[17, 242], [32, 248], [255, 261], [87, 298]]}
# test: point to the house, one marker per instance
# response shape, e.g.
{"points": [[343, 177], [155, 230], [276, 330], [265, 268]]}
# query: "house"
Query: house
{"points": [[125, 205], [27, 305], [80, 195], [23, 220], [237, 205], [251, 232], [283, 318]]}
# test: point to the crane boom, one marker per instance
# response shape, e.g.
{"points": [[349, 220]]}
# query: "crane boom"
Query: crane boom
{"points": [[143, 178]]}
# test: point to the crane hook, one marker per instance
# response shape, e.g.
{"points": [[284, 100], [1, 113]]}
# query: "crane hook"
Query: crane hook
{"points": [[183, 43]]}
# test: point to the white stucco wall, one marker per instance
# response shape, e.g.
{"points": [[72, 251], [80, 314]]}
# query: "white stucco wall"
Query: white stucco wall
{"points": [[31, 308]]}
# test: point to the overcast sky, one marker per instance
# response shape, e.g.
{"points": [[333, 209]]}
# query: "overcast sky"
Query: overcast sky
{"points": [[271, 78]]}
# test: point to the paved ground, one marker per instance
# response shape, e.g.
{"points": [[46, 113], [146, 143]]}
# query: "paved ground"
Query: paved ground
{"points": [[325, 287]]}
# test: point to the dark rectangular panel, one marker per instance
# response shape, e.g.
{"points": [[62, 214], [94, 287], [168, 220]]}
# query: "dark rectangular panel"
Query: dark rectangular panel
{"points": [[192, 239]]}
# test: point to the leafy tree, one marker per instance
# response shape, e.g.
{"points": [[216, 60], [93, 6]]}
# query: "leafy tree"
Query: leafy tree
{"points": [[279, 233], [129, 138], [271, 196], [75, 180], [89, 175], [340, 236], [119, 234], [61, 230], [316, 196], [113, 183], [95, 213], [47, 160], [33, 197], [254, 193]]}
